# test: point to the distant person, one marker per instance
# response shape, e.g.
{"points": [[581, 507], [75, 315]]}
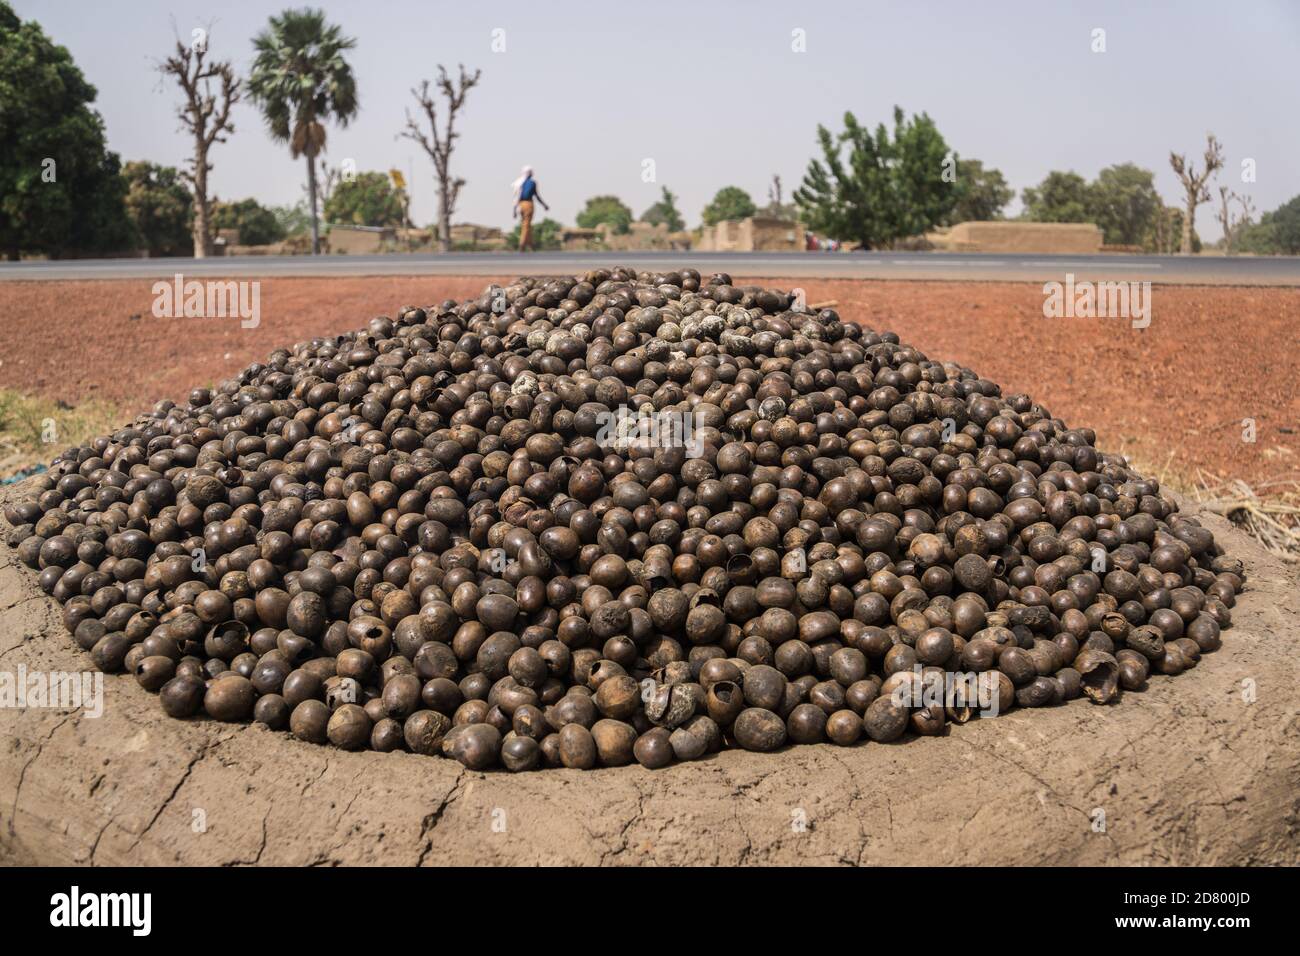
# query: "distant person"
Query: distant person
{"points": [[525, 188]]}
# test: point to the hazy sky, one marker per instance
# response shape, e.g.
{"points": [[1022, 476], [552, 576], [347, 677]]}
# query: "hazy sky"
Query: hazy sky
{"points": [[715, 95]]}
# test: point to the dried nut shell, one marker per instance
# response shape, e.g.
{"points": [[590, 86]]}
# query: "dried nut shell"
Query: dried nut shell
{"points": [[757, 728], [671, 706], [885, 720], [1147, 641], [1099, 675], [424, 730]]}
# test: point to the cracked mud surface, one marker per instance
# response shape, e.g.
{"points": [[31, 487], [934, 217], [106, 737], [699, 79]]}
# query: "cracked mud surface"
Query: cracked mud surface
{"points": [[1186, 772]]}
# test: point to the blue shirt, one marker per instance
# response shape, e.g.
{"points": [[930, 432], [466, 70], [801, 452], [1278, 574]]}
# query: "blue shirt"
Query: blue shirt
{"points": [[528, 190]]}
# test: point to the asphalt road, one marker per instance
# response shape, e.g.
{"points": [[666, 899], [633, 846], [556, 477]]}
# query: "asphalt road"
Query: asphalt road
{"points": [[985, 267]]}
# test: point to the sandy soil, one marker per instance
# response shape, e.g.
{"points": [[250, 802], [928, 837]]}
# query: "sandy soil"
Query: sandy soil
{"points": [[1191, 771], [1172, 396]]}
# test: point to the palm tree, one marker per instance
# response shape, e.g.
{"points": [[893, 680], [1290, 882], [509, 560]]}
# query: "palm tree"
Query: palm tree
{"points": [[300, 79]]}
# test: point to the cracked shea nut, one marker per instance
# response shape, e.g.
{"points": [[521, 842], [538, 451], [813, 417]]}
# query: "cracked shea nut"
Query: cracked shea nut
{"points": [[423, 731], [1099, 675]]}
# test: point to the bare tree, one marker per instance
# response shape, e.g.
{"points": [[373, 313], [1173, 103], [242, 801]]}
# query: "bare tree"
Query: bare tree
{"points": [[330, 177], [440, 144], [1225, 217], [776, 205], [1247, 214], [1232, 224], [206, 114], [1194, 184]]}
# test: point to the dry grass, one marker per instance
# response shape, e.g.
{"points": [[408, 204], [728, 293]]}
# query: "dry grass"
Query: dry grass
{"points": [[1269, 512], [34, 430]]}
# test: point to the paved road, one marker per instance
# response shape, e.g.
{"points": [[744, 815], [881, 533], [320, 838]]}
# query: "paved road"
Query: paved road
{"points": [[1193, 270]]}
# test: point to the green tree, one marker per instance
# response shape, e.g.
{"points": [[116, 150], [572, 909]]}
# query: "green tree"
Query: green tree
{"points": [[300, 80], [887, 188], [1166, 233], [1276, 233], [101, 225], [729, 202], [160, 207], [292, 219], [1285, 224], [61, 191], [981, 193], [547, 234], [1060, 197], [1123, 201], [1260, 238], [366, 199], [665, 211], [257, 225], [605, 209]]}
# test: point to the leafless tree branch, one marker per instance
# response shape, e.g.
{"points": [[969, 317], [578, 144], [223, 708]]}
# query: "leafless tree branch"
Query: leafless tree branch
{"points": [[1194, 183], [439, 144], [205, 114]]}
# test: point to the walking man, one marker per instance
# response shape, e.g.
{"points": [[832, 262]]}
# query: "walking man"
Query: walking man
{"points": [[525, 188]]}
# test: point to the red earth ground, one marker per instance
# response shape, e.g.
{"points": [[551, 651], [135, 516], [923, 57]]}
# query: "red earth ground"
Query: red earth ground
{"points": [[1172, 396]]}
